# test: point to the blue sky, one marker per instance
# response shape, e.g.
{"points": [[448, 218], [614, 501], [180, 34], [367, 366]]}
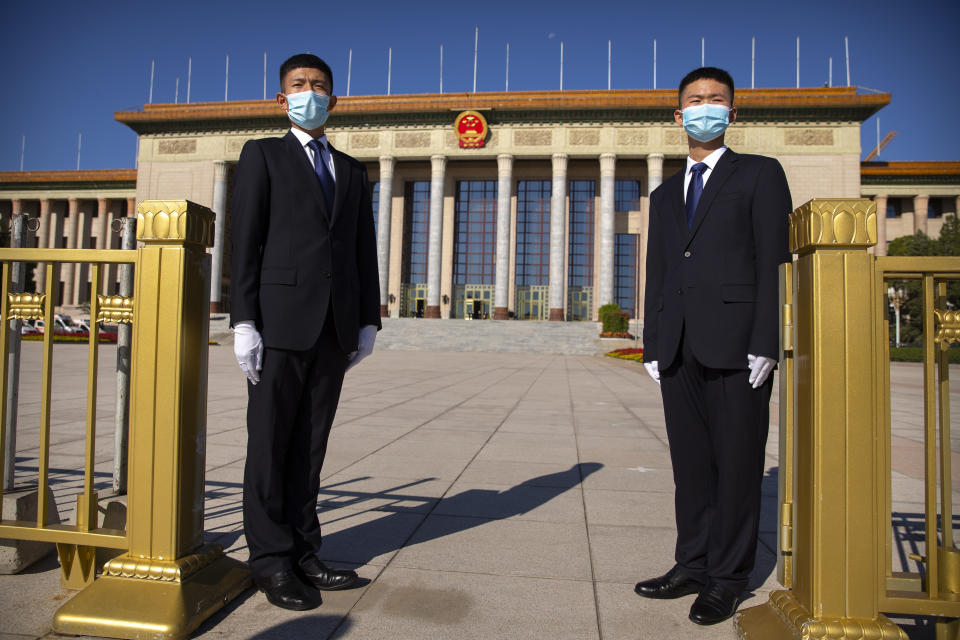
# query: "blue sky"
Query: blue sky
{"points": [[68, 66]]}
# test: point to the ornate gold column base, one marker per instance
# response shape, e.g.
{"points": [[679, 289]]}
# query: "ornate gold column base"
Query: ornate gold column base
{"points": [[140, 598], [783, 617]]}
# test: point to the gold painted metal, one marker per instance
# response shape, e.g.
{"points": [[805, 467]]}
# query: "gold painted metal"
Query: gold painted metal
{"points": [[167, 582], [787, 408], [5, 285], [948, 326], [114, 309], [841, 223], [836, 534], [25, 306]]}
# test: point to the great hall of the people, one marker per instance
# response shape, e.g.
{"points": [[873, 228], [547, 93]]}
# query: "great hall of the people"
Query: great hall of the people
{"points": [[531, 205]]}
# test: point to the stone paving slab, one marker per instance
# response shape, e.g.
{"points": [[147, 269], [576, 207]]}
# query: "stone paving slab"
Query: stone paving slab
{"points": [[478, 495]]}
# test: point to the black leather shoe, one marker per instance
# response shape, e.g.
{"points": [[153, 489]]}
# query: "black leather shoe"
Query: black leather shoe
{"points": [[285, 590], [715, 604], [323, 577], [672, 585]]}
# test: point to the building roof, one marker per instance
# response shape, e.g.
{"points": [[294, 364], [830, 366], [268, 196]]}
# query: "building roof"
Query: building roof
{"points": [[653, 105], [88, 179], [904, 173]]}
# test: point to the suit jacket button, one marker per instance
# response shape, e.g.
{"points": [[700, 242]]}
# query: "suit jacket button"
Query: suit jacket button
{"points": [[686, 254], [327, 275], [679, 292]]}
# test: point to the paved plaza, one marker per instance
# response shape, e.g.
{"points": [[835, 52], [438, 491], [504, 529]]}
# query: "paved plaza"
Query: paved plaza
{"points": [[478, 495]]}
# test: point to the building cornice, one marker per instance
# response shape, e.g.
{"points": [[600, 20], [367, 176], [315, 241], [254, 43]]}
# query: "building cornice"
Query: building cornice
{"points": [[904, 173], [841, 104], [87, 179]]}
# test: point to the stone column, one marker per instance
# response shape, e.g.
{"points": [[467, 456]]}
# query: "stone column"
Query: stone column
{"points": [[384, 211], [438, 165], [881, 247], [502, 281], [43, 241], [16, 207], [84, 222], [607, 229], [68, 270], [654, 171], [103, 242], [558, 228], [220, 210], [920, 204]]}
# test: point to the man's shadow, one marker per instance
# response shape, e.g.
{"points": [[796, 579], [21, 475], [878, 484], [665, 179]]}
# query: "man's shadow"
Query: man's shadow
{"points": [[385, 528]]}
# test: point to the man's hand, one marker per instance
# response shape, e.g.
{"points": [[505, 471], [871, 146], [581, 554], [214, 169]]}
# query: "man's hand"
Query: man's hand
{"points": [[760, 368], [653, 368], [368, 335], [248, 347]]}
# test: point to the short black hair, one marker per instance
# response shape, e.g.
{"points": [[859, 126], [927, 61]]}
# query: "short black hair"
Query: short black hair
{"points": [[308, 61], [709, 73]]}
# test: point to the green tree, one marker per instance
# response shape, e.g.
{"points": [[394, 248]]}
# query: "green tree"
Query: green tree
{"points": [[919, 244]]}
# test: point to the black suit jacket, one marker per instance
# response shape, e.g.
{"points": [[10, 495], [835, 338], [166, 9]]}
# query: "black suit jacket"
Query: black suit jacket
{"points": [[292, 258], [715, 283]]}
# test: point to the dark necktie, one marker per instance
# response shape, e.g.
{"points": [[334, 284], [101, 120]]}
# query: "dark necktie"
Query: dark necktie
{"points": [[323, 173], [694, 190]]}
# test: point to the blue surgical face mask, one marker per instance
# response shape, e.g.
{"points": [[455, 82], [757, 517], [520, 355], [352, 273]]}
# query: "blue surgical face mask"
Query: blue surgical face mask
{"points": [[705, 122], [308, 109]]}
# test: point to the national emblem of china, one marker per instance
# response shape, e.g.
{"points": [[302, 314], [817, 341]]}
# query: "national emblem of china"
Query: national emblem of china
{"points": [[471, 129]]}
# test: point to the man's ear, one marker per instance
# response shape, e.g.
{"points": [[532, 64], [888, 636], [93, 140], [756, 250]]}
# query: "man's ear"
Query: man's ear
{"points": [[282, 101], [332, 103], [678, 117], [733, 114]]}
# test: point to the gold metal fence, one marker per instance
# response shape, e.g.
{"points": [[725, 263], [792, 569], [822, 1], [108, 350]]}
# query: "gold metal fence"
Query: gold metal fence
{"points": [[835, 535], [167, 580]]}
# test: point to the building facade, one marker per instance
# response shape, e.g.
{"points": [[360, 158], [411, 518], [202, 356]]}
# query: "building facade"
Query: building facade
{"points": [[525, 205]]}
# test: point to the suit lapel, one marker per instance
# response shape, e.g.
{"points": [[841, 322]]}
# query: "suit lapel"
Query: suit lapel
{"points": [[306, 172], [726, 166], [341, 182]]}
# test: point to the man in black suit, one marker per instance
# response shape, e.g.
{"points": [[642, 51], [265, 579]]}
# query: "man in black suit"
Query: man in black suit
{"points": [[717, 233], [305, 306]]}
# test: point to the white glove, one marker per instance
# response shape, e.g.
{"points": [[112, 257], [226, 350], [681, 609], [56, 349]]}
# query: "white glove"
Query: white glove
{"points": [[653, 368], [760, 368], [368, 335], [248, 347]]}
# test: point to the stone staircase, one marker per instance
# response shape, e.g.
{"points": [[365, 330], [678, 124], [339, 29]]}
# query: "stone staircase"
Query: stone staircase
{"points": [[501, 336]]}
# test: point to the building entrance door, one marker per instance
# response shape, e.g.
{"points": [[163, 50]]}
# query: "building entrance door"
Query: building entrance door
{"points": [[532, 303]]}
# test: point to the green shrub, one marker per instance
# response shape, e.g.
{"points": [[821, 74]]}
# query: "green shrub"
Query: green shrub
{"points": [[613, 319], [915, 354]]}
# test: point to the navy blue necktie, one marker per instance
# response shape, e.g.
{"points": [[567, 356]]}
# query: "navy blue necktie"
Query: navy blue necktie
{"points": [[323, 173], [695, 190]]}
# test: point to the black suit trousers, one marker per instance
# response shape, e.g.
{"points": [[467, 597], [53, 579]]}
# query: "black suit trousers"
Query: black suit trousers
{"points": [[289, 415], [717, 426]]}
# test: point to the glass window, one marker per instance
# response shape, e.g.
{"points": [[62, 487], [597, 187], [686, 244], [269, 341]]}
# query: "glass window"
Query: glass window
{"points": [[416, 232], [581, 233], [894, 207], [627, 195], [935, 208], [533, 233], [625, 273], [475, 218]]}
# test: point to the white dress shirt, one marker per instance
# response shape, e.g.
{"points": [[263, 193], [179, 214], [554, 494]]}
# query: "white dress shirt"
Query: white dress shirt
{"points": [[305, 140], [710, 161]]}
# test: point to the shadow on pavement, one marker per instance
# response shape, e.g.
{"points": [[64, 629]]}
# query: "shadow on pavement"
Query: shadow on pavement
{"points": [[368, 540]]}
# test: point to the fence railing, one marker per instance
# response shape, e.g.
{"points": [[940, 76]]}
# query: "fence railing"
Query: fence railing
{"points": [[835, 534], [167, 581]]}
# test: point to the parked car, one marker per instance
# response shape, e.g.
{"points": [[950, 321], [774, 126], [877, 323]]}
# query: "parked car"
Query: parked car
{"points": [[104, 331], [62, 324], [27, 328]]}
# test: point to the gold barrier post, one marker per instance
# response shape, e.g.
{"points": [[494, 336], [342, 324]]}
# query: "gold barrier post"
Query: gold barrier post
{"points": [[787, 409], [168, 582], [835, 565]]}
